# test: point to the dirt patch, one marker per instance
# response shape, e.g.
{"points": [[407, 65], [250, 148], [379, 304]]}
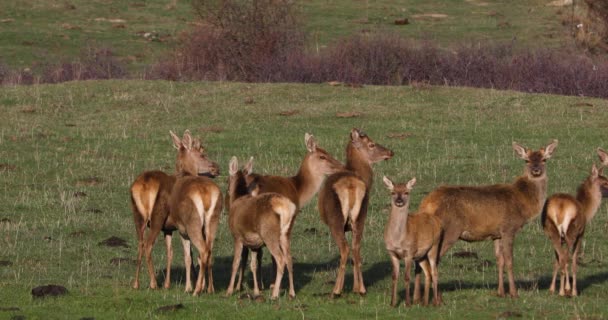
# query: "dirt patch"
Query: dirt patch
{"points": [[477, 3], [7, 167], [88, 181], [399, 135], [110, 20], [508, 315], [28, 109], [583, 104], [249, 100], [8, 20], [122, 261], [9, 309], [5, 263], [402, 22], [353, 114], [69, 26], [170, 308], [214, 129], [465, 254], [114, 241], [430, 16], [288, 113], [49, 290]]}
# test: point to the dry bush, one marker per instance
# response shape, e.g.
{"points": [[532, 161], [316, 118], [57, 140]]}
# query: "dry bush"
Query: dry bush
{"points": [[94, 63]]}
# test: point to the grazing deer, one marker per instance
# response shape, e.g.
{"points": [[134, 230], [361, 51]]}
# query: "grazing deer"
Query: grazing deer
{"points": [[343, 202], [411, 238], [497, 212], [564, 219], [150, 194], [256, 220], [317, 164]]}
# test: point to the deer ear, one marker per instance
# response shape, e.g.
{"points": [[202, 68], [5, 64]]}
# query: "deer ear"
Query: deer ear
{"points": [[594, 171], [355, 137], [549, 149], [187, 140], [521, 151], [177, 143], [603, 156], [196, 145], [248, 168], [411, 183], [388, 183], [311, 144], [233, 167]]}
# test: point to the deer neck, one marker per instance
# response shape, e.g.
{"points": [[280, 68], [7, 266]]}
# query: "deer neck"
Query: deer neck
{"points": [[307, 183], [396, 227], [238, 188], [359, 165], [535, 191], [589, 196]]}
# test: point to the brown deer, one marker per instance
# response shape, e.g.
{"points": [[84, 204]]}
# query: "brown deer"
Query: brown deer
{"points": [[564, 219], [343, 201], [315, 166], [194, 208], [257, 220], [150, 194], [411, 237], [497, 212]]}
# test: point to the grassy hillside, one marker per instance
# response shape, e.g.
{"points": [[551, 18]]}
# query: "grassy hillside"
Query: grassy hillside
{"points": [[69, 152], [38, 31]]}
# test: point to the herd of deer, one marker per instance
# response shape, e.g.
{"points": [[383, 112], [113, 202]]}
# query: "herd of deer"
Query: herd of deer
{"points": [[262, 210]]}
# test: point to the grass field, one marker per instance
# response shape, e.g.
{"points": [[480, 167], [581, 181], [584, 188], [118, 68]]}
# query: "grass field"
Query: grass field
{"points": [[34, 32], [69, 152]]}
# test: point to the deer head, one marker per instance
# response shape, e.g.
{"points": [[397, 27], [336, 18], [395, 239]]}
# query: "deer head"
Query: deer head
{"points": [[535, 160], [319, 160], [400, 193], [598, 178], [191, 158], [371, 152]]}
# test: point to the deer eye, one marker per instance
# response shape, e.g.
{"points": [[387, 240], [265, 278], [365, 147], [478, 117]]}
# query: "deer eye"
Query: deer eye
{"points": [[372, 145], [323, 157]]}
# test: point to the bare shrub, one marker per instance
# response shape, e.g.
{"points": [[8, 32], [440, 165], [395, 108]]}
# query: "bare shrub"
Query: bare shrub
{"points": [[94, 63]]}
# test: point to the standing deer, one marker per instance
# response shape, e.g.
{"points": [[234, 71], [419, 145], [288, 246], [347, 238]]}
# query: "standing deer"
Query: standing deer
{"points": [[315, 166], [411, 237], [256, 220], [564, 219], [150, 194], [343, 202], [497, 212], [194, 208]]}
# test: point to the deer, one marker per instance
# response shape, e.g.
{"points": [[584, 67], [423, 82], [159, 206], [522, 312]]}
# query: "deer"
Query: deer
{"points": [[496, 212], [300, 188], [343, 202], [150, 193], [411, 237], [564, 218], [257, 220]]}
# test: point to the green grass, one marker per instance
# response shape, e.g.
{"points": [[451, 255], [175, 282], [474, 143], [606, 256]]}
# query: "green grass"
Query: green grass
{"points": [[96, 137], [36, 32]]}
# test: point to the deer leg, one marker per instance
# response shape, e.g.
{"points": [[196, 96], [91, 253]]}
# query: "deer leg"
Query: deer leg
{"points": [[241, 267], [187, 263], [555, 269], [254, 271], [557, 245], [286, 249], [236, 263], [500, 263], [148, 245], [426, 268], [507, 246], [210, 231], [203, 256], [260, 273], [435, 280], [417, 276], [275, 250], [577, 247], [562, 266], [340, 239], [168, 236], [358, 284], [140, 227], [395, 277], [406, 276]]}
